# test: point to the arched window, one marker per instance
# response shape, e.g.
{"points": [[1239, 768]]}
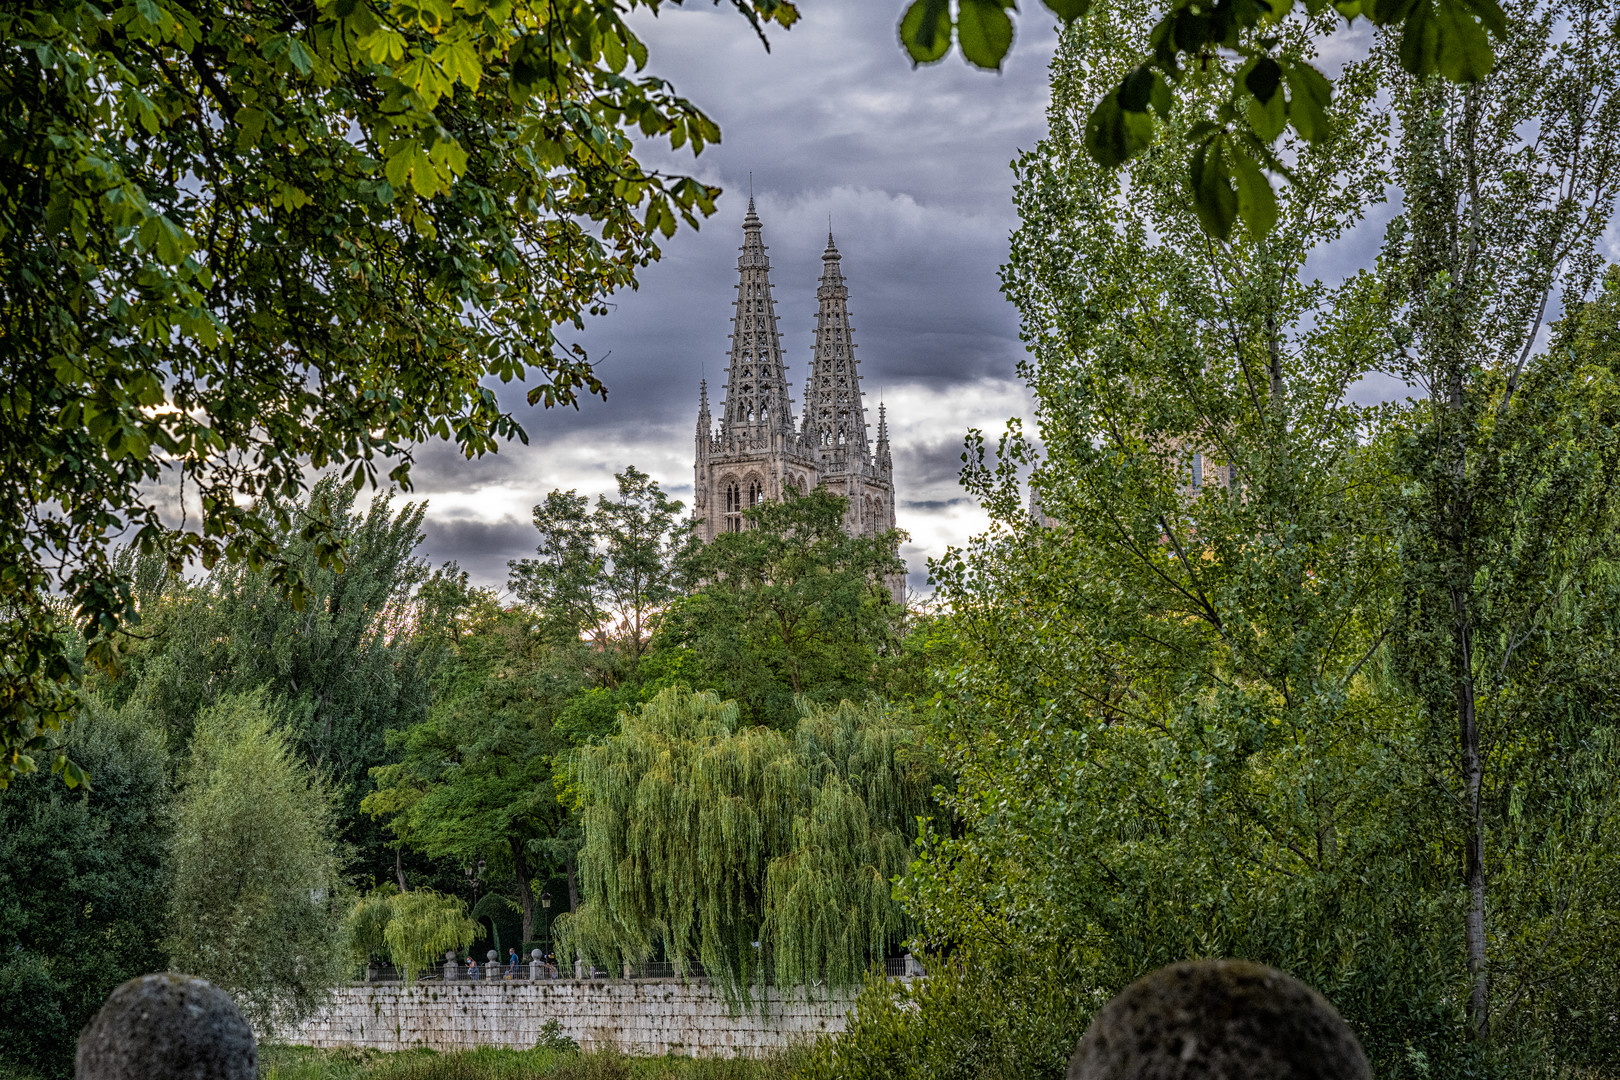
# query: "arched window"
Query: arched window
{"points": [[755, 490], [733, 506]]}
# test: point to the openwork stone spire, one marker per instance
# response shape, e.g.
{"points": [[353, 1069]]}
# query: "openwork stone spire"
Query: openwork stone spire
{"points": [[758, 452], [756, 404], [884, 461], [834, 415]]}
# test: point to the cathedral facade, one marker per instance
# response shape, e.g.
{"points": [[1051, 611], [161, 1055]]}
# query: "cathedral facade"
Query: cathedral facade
{"points": [[758, 449]]}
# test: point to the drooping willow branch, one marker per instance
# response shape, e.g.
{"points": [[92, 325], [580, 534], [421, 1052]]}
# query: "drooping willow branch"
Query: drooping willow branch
{"points": [[703, 839]]}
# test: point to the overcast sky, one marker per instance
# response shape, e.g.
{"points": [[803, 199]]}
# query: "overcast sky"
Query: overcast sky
{"points": [[913, 166]]}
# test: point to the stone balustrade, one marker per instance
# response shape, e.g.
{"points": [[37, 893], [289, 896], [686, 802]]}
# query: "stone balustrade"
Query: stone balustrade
{"points": [[643, 1016]]}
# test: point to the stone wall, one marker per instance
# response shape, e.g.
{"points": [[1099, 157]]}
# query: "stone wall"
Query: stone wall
{"points": [[651, 1016]]}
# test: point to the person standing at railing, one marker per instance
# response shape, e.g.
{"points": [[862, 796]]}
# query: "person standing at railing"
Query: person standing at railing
{"points": [[472, 968], [511, 961]]}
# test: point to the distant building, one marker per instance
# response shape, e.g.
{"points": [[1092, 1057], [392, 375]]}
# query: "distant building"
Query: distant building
{"points": [[758, 449]]}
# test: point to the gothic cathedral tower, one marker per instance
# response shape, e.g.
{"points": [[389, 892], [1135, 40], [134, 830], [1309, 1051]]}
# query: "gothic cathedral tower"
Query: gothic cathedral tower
{"points": [[758, 450]]}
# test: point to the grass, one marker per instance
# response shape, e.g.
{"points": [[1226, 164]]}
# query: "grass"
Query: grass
{"points": [[306, 1063]]}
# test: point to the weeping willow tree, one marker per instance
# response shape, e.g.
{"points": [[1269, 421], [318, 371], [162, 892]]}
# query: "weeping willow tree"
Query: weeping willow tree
{"points": [[752, 850], [413, 928]]}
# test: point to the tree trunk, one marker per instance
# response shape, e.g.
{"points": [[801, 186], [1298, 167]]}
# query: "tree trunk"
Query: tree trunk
{"points": [[1458, 532], [520, 867], [399, 869], [573, 887], [1479, 1019]]}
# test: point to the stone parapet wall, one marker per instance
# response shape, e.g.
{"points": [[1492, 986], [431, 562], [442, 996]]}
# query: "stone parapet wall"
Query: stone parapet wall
{"points": [[653, 1016]]}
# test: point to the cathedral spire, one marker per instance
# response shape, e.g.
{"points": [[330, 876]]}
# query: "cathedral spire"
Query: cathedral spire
{"points": [[756, 403], [834, 412], [705, 425], [884, 462]]}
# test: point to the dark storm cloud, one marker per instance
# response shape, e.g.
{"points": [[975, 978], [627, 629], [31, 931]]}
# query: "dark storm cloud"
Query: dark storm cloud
{"points": [[439, 466], [934, 504], [913, 168], [935, 463], [481, 547]]}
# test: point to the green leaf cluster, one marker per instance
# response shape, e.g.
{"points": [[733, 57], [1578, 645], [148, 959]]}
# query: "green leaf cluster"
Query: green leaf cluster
{"points": [[608, 574], [751, 850], [253, 905], [791, 605], [84, 880], [414, 929], [1272, 674], [352, 663], [1268, 92], [473, 781], [240, 242]]}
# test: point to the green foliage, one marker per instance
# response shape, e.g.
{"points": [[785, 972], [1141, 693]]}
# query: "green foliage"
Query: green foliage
{"points": [[423, 925], [552, 1037], [350, 665], [970, 1019], [1215, 708], [1272, 87], [365, 923], [413, 929], [789, 606], [83, 882], [473, 780], [505, 921], [240, 241], [703, 838], [608, 574], [255, 871]]}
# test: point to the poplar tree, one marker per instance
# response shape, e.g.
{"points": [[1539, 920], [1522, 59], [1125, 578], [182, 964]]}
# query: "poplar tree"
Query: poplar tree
{"points": [[255, 868], [1281, 676]]}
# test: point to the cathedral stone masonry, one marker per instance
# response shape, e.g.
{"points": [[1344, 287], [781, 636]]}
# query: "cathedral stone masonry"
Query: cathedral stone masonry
{"points": [[757, 451]]}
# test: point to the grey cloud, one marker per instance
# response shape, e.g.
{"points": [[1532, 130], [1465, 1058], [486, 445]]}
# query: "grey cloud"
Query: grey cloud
{"points": [[912, 166], [438, 466], [481, 547], [931, 464], [933, 504]]}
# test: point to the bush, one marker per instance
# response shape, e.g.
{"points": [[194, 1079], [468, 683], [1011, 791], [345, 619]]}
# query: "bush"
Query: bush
{"points": [[82, 883], [971, 1019]]}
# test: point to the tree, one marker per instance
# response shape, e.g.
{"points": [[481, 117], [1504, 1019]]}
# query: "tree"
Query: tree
{"points": [[561, 582], [354, 662], [84, 877], [240, 241], [413, 928], [790, 605], [1213, 709], [607, 575], [748, 849], [255, 869], [474, 779], [642, 535], [1509, 518], [1265, 86]]}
